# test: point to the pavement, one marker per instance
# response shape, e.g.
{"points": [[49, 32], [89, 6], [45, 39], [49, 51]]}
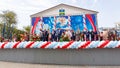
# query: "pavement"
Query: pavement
{"points": [[24, 65]]}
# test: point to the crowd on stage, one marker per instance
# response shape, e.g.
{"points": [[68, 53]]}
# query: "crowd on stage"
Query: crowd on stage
{"points": [[70, 35], [60, 35]]}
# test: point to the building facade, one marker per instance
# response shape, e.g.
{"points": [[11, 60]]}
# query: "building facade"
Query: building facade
{"points": [[64, 17]]}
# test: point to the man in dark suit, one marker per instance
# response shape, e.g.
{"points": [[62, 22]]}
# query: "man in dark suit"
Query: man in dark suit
{"points": [[57, 35], [87, 35], [53, 35], [92, 35], [73, 35], [46, 35]]}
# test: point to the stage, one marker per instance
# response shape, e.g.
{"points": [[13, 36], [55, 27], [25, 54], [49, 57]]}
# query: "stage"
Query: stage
{"points": [[30, 52]]}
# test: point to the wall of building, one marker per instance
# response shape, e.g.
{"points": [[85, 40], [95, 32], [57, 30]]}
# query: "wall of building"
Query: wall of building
{"points": [[68, 11], [70, 57]]}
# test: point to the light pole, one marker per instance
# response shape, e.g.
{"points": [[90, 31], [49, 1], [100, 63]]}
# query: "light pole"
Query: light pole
{"points": [[4, 26], [11, 31]]}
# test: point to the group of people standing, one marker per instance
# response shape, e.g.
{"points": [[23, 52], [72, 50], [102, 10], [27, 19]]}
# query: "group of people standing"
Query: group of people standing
{"points": [[68, 35], [21, 37]]}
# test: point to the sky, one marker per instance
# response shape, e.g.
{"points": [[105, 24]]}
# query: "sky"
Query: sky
{"points": [[109, 12]]}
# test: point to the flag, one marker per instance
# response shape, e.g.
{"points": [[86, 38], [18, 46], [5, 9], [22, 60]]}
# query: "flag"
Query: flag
{"points": [[35, 21], [69, 21], [84, 24], [55, 21], [41, 23], [90, 19]]}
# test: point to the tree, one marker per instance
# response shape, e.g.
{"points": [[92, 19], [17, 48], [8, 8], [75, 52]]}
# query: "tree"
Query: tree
{"points": [[9, 18], [27, 29], [1, 25]]}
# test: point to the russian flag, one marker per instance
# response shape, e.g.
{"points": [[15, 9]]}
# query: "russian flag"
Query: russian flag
{"points": [[35, 21], [91, 22]]}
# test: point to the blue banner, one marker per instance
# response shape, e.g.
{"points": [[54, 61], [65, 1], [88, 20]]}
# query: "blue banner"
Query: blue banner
{"points": [[73, 22], [77, 22]]}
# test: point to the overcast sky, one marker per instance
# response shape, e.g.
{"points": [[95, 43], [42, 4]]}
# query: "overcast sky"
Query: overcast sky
{"points": [[109, 11]]}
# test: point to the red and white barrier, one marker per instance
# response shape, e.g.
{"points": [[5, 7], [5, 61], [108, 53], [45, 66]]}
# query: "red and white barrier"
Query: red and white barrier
{"points": [[62, 45]]}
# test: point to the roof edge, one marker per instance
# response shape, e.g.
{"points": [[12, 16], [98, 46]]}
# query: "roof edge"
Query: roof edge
{"points": [[65, 5]]}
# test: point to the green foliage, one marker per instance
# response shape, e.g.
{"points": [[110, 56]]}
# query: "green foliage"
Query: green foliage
{"points": [[27, 29], [66, 38], [9, 17], [1, 25]]}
